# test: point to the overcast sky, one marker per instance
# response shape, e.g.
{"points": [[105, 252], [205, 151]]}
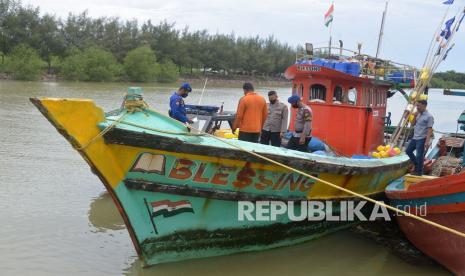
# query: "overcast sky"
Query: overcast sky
{"points": [[410, 24]]}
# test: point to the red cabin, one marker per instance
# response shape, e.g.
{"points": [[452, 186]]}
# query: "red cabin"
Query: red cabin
{"points": [[348, 110]]}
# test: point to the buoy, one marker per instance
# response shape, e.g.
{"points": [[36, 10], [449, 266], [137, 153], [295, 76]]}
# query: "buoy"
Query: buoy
{"points": [[411, 117], [397, 150], [392, 153], [380, 148], [229, 135], [424, 97], [376, 155]]}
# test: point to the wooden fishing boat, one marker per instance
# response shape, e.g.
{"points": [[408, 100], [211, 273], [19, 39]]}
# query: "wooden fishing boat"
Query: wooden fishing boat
{"points": [[439, 197], [441, 200], [178, 191]]}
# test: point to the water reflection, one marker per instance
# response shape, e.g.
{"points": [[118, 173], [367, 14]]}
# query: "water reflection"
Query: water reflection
{"points": [[104, 215], [343, 252]]}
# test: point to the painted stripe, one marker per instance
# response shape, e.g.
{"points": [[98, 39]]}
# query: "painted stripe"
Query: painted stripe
{"points": [[438, 187], [443, 200]]}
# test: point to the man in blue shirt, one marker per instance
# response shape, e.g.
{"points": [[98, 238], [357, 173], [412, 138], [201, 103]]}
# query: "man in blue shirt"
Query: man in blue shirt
{"points": [[177, 107], [421, 136]]}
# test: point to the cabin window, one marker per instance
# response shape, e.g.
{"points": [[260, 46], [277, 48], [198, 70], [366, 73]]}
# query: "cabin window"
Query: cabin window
{"points": [[294, 89], [301, 90], [352, 95], [317, 92], [338, 94]]}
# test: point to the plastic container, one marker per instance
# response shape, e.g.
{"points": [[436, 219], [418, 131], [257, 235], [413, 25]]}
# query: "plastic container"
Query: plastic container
{"points": [[354, 68], [320, 62], [342, 67]]}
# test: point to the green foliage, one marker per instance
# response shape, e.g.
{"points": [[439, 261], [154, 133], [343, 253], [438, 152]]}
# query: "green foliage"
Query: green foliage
{"points": [[24, 63], [449, 79], [191, 51], [73, 66], [93, 64], [101, 65], [140, 64], [167, 72]]}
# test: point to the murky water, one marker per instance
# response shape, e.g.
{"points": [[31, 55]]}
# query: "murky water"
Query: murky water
{"points": [[56, 219]]}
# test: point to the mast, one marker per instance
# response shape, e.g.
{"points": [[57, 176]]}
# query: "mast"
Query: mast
{"points": [[381, 31]]}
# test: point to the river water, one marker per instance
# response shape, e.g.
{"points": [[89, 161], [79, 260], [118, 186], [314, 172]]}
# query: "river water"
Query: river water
{"points": [[56, 218]]}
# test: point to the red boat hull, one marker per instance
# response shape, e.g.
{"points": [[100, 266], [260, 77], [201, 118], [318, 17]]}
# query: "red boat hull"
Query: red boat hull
{"points": [[446, 248], [441, 200]]}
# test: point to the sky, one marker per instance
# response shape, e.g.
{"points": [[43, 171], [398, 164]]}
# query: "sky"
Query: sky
{"points": [[409, 28]]}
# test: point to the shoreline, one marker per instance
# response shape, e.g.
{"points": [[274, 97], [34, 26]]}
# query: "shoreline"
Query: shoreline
{"points": [[213, 81]]}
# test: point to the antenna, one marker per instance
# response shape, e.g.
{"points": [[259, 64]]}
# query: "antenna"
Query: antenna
{"points": [[381, 31]]}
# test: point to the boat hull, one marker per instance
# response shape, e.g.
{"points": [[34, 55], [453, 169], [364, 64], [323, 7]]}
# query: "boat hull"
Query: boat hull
{"points": [[179, 194], [441, 200]]}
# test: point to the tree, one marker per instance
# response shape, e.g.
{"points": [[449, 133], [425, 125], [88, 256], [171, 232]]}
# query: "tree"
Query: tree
{"points": [[24, 63], [73, 66], [140, 64], [51, 42], [94, 64], [167, 72]]}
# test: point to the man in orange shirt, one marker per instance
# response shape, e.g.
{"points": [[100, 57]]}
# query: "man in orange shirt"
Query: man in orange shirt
{"points": [[251, 114]]}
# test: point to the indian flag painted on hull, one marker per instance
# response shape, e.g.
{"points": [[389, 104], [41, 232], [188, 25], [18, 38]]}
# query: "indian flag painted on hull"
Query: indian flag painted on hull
{"points": [[329, 15], [169, 208]]}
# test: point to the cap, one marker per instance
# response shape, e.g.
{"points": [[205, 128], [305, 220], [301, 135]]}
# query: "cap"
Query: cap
{"points": [[293, 99], [186, 87]]}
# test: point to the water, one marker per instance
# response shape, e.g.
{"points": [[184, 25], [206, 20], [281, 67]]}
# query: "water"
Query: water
{"points": [[56, 218]]}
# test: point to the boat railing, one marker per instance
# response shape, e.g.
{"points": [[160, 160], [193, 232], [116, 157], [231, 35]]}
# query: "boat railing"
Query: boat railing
{"points": [[370, 67]]}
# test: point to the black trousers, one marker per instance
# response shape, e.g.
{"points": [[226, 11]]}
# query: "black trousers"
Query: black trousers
{"points": [[248, 136], [273, 137], [293, 144]]}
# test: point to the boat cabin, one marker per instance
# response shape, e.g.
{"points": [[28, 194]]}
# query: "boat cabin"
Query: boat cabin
{"points": [[348, 110]]}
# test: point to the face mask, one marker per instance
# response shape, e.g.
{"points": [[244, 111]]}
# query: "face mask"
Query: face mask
{"points": [[295, 106], [272, 101], [184, 95]]}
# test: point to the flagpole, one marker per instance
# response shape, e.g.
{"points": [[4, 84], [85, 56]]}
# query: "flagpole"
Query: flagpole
{"points": [[381, 31], [151, 216], [331, 33]]}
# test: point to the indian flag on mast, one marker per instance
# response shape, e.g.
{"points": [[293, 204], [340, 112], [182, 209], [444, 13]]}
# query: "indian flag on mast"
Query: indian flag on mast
{"points": [[329, 15]]}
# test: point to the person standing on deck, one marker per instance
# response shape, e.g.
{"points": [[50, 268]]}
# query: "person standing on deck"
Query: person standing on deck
{"points": [[251, 114], [177, 107], [302, 125], [276, 123], [422, 134]]}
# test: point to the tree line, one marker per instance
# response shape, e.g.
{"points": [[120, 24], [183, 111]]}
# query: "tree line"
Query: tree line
{"points": [[449, 79], [107, 48]]}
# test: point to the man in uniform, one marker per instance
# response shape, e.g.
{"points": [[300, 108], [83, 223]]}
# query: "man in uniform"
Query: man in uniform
{"points": [[251, 114], [276, 123], [302, 125], [421, 136], [177, 107]]}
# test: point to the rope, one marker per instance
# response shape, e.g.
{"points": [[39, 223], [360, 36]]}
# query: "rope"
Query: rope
{"points": [[434, 224], [158, 130], [445, 228], [201, 133], [104, 131]]}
